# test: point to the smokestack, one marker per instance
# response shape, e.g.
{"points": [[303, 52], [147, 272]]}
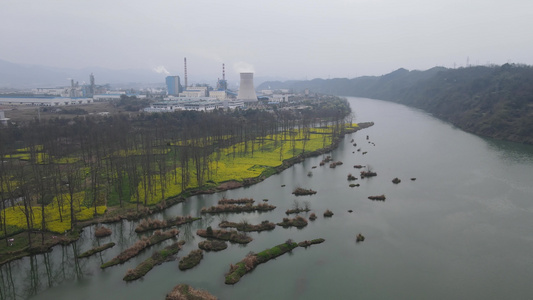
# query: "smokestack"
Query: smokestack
{"points": [[246, 89], [185, 75]]}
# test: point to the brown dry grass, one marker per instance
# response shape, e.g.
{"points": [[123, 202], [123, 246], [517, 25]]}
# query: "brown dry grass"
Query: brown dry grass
{"points": [[102, 232], [186, 292]]}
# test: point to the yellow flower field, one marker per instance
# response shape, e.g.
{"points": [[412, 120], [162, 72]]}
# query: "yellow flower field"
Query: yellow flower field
{"points": [[15, 215], [230, 163]]}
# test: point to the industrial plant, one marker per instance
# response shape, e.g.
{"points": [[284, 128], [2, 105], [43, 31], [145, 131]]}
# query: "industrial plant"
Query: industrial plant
{"points": [[176, 96], [201, 97]]}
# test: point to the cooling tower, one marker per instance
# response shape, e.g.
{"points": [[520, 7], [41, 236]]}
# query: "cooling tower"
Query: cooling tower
{"points": [[246, 88]]}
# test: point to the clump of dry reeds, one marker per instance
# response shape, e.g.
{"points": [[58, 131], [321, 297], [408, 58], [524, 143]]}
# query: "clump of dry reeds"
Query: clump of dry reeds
{"points": [[102, 232]]}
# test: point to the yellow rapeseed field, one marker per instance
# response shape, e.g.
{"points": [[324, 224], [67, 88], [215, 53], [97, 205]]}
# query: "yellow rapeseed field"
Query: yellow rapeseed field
{"points": [[230, 163], [15, 216]]}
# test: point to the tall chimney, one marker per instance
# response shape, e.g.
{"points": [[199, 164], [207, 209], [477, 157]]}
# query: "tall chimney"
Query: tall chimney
{"points": [[185, 75], [246, 88]]}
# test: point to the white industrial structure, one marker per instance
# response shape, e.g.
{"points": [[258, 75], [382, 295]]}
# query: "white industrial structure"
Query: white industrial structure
{"points": [[246, 88], [193, 103], [220, 95], [45, 101], [3, 119]]}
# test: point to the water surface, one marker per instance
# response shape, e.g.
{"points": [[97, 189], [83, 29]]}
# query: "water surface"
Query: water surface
{"points": [[461, 230]]}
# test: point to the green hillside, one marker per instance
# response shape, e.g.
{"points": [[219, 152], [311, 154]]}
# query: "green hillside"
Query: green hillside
{"points": [[491, 101]]}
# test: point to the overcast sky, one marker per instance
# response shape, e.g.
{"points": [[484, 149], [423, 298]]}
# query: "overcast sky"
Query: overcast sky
{"points": [[296, 39]]}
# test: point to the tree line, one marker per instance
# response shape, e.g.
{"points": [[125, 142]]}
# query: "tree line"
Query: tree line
{"points": [[494, 101], [94, 161]]}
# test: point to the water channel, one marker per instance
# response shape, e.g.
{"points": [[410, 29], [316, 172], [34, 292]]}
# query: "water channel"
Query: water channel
{"points": [[461, 230]]}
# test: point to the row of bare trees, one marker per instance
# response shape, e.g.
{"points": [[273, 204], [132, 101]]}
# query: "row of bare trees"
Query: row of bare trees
{"points": [[122, 158]]}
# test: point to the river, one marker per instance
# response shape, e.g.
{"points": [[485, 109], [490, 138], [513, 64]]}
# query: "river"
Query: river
{"points": [[461, 230]]}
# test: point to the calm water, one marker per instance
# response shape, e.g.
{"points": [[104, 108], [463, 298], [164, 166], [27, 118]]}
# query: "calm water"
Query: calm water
{"points": [[462, 230]]}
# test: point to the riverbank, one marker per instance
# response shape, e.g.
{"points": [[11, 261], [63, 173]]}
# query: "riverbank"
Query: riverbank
{"points": [[130, 211]]}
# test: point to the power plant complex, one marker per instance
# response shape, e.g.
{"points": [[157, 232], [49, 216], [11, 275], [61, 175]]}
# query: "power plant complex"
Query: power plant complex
{"points": [[246, 91], [202, 97], [197, 97]]}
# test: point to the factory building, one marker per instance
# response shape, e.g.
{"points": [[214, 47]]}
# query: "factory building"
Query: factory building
{"points": [[220, 95], [196, 91]]}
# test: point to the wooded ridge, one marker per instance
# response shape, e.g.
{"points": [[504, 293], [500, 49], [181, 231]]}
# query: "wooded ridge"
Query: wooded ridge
{"points": [[491, 101]]}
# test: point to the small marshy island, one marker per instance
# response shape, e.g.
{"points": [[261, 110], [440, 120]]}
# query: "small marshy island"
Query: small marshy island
{"points": [[225, 235], [186, 292], [377, 198], [252, 260], [191, 260], [247, 227], [102, 231], [227, 208], [298, 221], [297, 208], [157, 258], [306, 243], [139, 246], [149, 224], [303, 192], [96, 250], [236, 201], [212, 245]]}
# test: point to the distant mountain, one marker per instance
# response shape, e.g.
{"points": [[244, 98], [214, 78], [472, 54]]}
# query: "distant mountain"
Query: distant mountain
{"points": [[492, 101], [14, 75]]}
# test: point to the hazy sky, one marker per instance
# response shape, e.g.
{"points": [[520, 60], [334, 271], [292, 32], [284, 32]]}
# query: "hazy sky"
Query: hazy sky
{"points": [[286, 38]]}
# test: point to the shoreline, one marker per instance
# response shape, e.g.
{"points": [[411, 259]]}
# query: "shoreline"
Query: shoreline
{"points": [[130, 214]]}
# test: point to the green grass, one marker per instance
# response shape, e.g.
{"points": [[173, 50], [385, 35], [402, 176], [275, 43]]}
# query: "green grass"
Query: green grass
{"points": [[241, 268], [191, 260]]}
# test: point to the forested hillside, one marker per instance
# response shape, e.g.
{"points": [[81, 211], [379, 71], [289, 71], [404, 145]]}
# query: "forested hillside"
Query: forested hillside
{"points": [[492, 101]]}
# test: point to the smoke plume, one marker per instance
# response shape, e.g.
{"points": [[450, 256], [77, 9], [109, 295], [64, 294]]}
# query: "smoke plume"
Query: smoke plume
{"points": [[161, 70], [243, 67]]}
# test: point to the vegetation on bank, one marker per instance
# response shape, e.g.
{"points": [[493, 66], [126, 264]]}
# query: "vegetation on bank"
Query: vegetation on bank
{"points": [[191, 260], [186, 292], [19, 247], [157, 258], [140, 245], [225, 235], [492, 101], [297, 208], [236, 201], [303, 192], [252, 260], [212, 245], [298, 221], [103, 169], [247, 227], [102, 231], [377, 198], [149, 224], [248, 207], [307, 243], [96, 250]]}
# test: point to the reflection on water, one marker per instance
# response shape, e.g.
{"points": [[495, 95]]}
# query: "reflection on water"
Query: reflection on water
{"points": [[511, 152], [461, 230]]}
